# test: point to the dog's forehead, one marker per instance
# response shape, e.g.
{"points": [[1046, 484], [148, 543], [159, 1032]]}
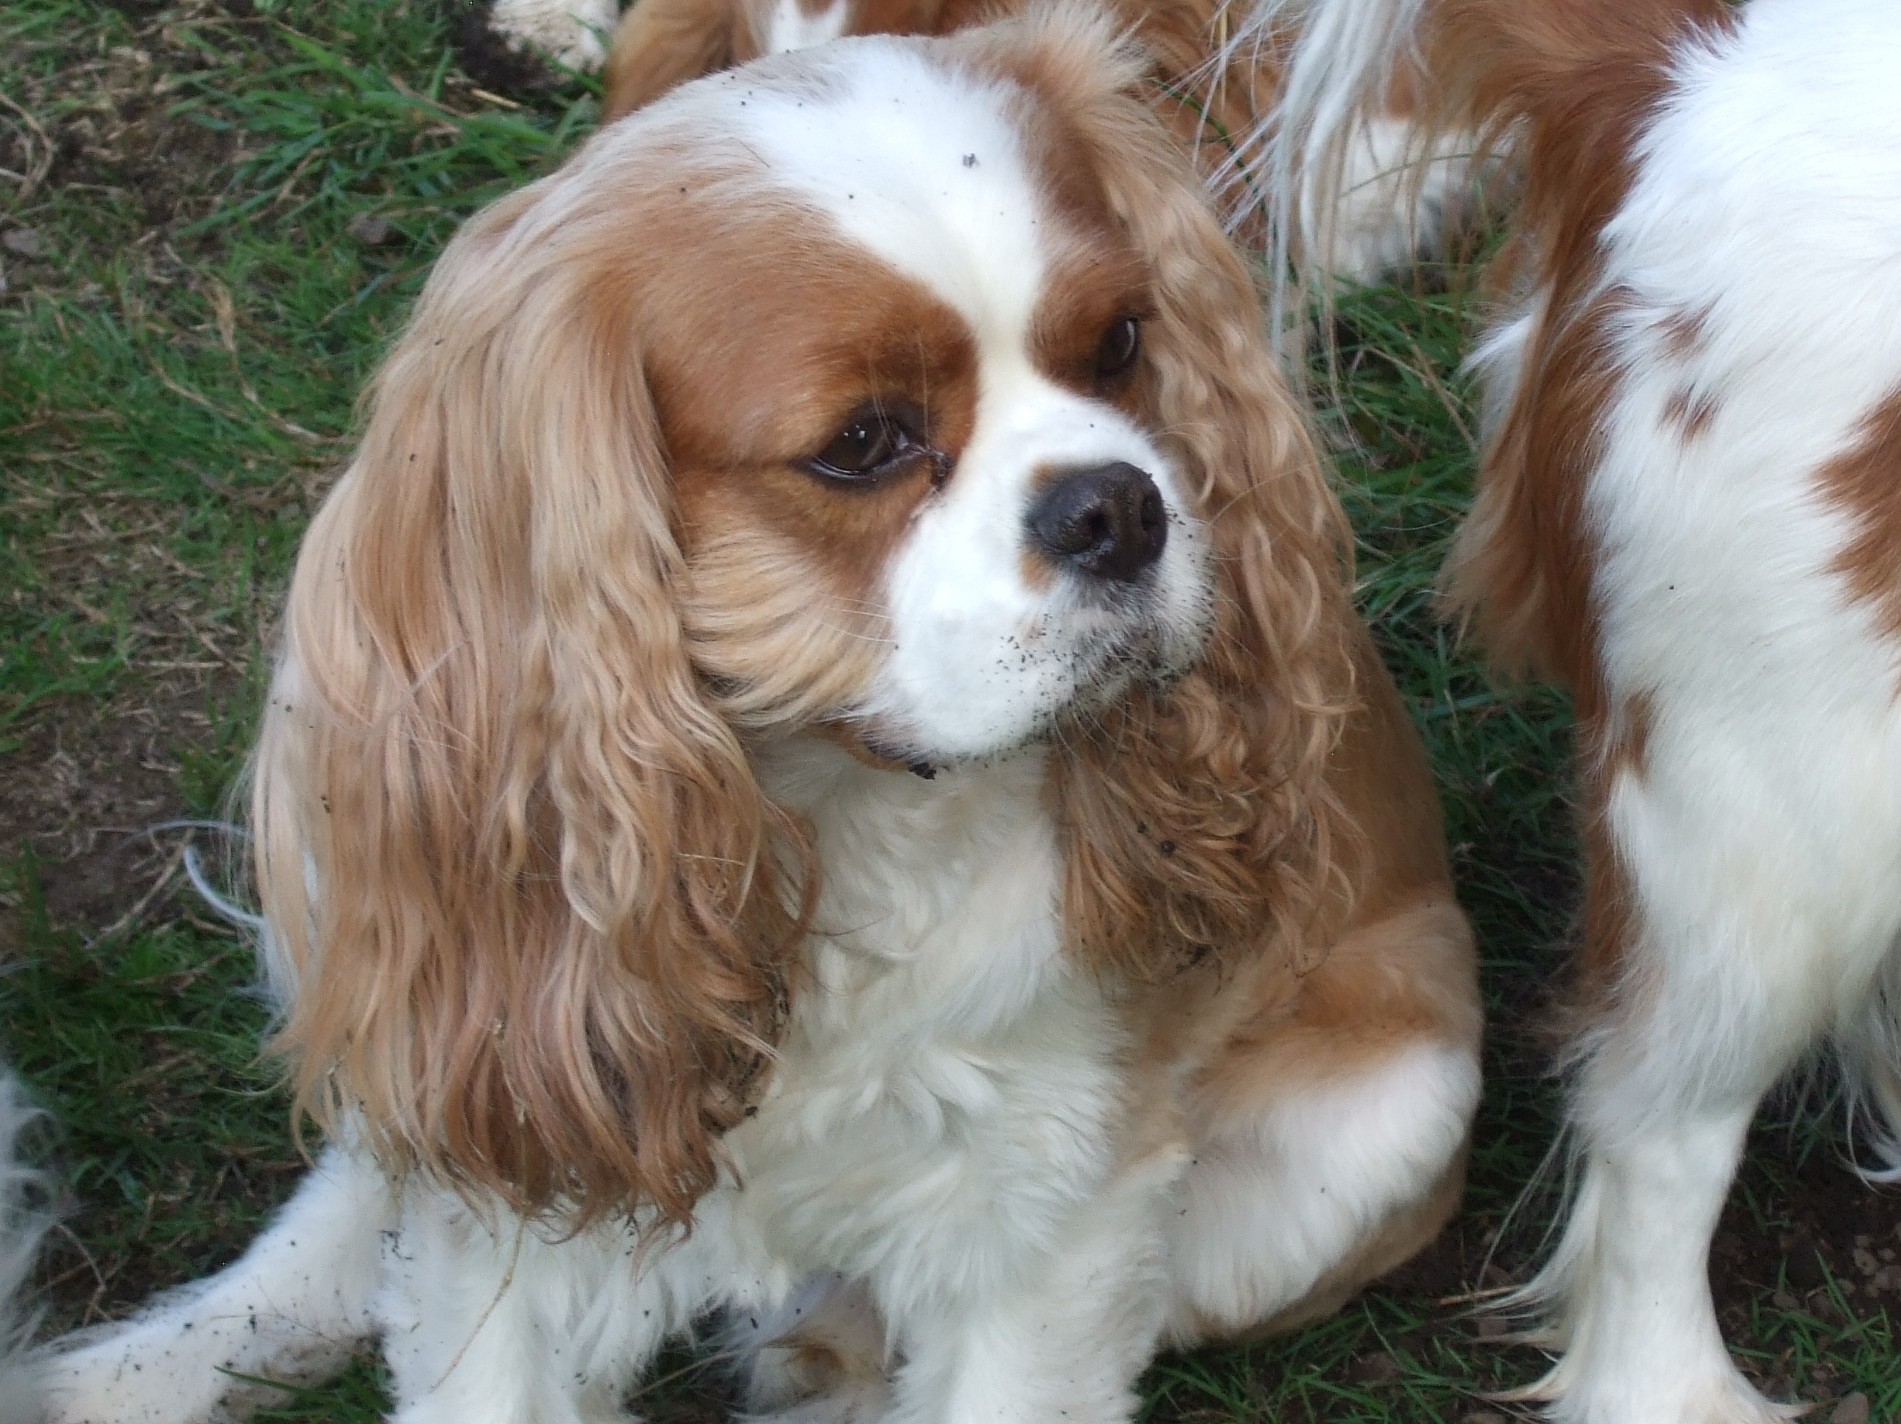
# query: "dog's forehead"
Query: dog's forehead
{"points": [[920, 163]]}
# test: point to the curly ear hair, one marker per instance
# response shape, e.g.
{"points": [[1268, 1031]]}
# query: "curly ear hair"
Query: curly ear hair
{"points": [[1200, 817], [530, 914]]}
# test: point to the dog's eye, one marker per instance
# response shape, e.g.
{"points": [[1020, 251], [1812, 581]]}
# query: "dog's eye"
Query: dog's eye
{"points": [[1120, 345], [871, 442]]}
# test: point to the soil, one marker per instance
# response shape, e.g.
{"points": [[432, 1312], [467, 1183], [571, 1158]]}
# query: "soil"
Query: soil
{"points": [[84, 791], [122, 133]]}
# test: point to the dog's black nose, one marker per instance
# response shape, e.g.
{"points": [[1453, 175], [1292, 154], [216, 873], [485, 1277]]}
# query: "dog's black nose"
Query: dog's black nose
{"points": [[1108, 521]]}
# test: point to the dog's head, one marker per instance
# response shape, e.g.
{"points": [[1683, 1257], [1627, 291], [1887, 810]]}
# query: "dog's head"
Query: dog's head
{"points": [[902, 393]]}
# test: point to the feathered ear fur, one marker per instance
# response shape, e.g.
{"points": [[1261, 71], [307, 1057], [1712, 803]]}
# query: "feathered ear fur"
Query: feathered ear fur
{"points": [[1200, 818], [661, 44], [529, 911]]}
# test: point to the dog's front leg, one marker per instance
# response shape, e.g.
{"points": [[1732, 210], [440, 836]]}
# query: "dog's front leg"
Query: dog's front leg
{"points": [[292, 1308], [497, 1320], [1067, 1338]]}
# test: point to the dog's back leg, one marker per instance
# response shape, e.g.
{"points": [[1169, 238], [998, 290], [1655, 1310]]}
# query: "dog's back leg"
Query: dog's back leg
{"points": [[1869, 1042]]}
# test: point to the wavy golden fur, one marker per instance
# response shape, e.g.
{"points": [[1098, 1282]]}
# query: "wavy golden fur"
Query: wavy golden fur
{"points": [[535, 922], [550, 947]]}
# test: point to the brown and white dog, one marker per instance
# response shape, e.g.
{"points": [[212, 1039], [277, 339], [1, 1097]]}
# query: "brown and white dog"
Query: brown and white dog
{"points": [[823, 766], [1689, 512]]}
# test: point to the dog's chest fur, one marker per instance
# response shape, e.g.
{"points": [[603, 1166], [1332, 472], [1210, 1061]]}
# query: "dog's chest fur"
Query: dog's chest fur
{"points": [[949, 1086]]}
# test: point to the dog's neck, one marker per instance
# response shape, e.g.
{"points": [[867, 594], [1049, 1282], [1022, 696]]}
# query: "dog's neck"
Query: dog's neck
{"points": [[938, 1027], [955, 880]]}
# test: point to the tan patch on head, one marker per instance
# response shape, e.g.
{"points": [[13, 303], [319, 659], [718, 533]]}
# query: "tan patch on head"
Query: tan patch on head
{"points": [[1095, 282], [1096, 275], [758, 401], [766, 334], [1866, 483]]}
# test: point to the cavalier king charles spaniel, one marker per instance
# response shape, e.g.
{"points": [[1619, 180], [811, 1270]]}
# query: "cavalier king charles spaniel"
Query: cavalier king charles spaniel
{"points": [[823, 768], [1689, 512]]}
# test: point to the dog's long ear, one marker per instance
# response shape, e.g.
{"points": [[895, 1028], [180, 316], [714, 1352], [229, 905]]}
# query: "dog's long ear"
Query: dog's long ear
{"points": [[528, 908], [1200, 818], [661, 44]]}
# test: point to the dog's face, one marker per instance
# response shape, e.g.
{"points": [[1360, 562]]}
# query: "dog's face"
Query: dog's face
{"points": [[917, 411], [904, 393]]}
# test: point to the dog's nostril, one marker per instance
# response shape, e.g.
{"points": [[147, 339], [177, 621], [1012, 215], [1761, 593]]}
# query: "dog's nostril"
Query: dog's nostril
{"points": [[1108, 521], [1154, 517]]}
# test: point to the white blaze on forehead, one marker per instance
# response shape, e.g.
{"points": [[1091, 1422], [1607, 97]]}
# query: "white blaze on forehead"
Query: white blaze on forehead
{"points": [[790, 27], [923, 167]]}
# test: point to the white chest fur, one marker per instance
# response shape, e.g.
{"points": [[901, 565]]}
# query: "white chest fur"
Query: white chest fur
{"points": [[948, 1087]]}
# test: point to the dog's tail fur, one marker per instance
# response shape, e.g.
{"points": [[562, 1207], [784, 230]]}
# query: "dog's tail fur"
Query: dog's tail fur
{"points": [[22, 1222], [1342, 56], [1537, 82]]}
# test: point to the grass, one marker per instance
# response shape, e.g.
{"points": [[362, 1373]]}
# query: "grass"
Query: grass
{"points": [[213, 216], [188, 316]]}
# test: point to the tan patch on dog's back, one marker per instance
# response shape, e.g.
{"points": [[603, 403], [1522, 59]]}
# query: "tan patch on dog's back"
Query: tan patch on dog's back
{"points": [[1866, 484]]}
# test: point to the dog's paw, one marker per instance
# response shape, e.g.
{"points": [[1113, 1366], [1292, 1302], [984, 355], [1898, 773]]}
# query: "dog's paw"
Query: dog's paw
{"points": [[574, 33], [819, 1359]]}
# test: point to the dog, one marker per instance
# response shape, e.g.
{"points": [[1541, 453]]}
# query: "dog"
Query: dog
{"points": [[1686, 514], [822, 766], [1216, 80]]}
